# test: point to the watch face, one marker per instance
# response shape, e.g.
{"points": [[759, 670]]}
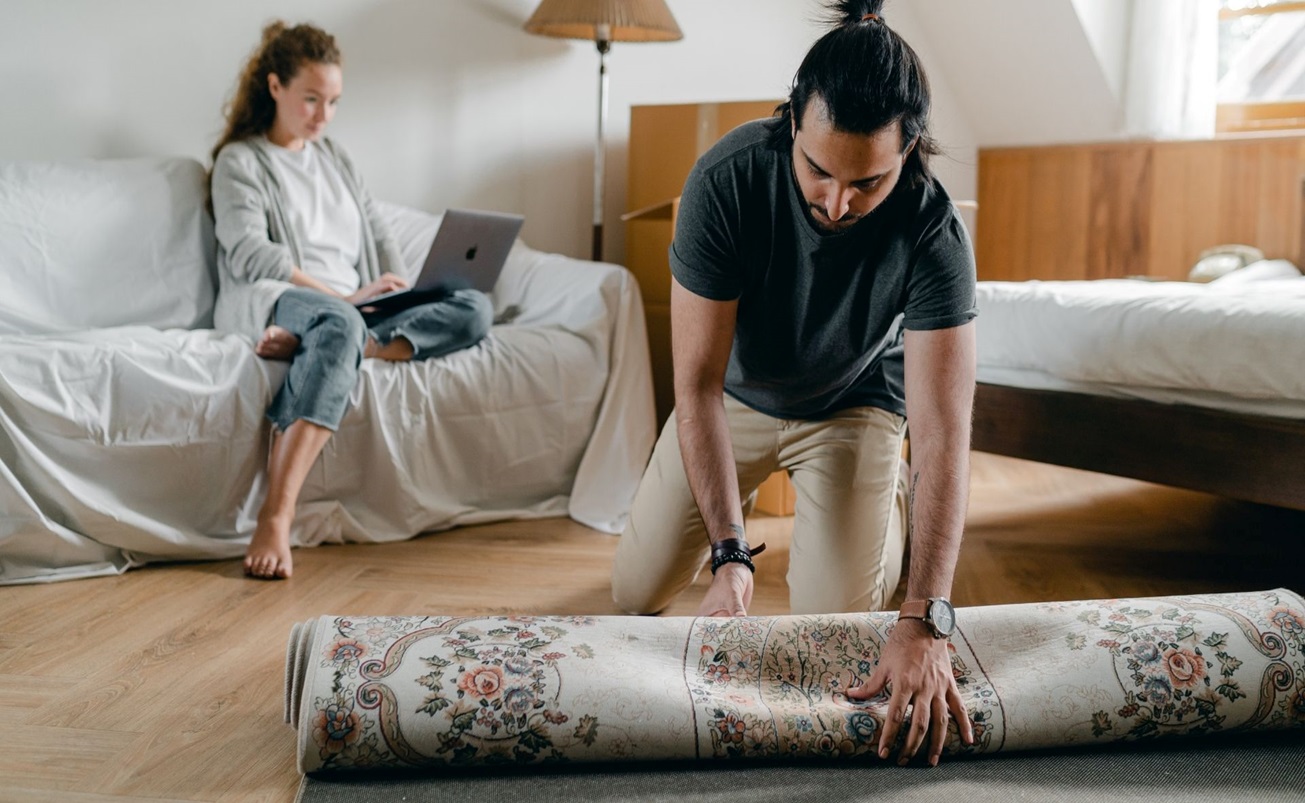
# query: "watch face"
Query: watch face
{"points": [[943, 616]]}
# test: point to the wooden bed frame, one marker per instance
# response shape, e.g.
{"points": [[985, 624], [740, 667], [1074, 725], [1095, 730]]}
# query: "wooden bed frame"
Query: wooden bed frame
{"points": [[1255, 458], [1117, 209]]}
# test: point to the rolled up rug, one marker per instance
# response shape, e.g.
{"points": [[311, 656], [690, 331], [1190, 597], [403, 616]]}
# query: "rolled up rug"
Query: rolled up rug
{"points": [[434, 691]]}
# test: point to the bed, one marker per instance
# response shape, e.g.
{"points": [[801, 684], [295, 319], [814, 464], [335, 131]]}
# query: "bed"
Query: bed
{"points": [[1191, 385]]}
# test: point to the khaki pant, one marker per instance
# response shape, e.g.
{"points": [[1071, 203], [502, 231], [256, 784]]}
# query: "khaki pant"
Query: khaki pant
{"points": [[849, 530]]}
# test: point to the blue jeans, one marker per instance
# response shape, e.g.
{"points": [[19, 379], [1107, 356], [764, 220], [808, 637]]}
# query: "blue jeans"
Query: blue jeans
{"points": [[332, 334]]}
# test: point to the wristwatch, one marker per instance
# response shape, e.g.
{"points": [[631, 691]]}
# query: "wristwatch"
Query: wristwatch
{"points": [[936, 612]]}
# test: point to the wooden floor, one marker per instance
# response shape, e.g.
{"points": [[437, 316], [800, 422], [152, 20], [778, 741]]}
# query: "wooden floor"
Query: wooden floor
{"points": [[166, 683]]}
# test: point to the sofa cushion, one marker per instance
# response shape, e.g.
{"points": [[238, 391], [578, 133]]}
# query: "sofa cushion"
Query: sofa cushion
{"points": [[94, 244]]}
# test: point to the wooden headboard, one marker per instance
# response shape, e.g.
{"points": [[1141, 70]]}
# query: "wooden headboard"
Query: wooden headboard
{"points": [[1136, 208]]}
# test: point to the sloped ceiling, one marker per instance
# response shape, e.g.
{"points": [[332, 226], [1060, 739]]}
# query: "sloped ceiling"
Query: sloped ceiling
{"points": [[1029, 71]]}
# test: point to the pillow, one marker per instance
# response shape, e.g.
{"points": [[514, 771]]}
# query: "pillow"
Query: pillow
{"points": [[1263, 270], [100, 243]]}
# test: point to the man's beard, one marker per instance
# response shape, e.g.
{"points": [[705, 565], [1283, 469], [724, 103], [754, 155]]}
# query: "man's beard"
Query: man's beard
{"points": [[844, 223]]}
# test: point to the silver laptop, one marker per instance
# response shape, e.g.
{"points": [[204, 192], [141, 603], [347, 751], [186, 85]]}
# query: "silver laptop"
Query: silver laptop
{"points": [[469, 251]]}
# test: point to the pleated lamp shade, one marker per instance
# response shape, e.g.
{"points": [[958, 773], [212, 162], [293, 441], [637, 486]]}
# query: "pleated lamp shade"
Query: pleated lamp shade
{"points": [[606, 20]]}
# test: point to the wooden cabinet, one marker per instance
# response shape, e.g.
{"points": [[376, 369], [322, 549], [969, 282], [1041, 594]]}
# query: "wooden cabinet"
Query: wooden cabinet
{"points": [[665, 143]]}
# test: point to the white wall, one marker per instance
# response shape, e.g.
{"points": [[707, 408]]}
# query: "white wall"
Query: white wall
{"points": [[1107, 24], [1026, 72], [958, 166], [447, 102]]}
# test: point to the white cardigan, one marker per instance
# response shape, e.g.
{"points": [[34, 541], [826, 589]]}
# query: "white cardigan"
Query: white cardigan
{"points": [[257, 246]]}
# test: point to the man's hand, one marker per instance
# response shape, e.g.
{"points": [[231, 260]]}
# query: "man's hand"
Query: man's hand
{"points": [[388, 283], [730, 593], [920, 669]]}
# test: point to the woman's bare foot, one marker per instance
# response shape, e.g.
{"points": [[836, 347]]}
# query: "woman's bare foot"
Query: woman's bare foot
{"points": [[397, 350], [277, 343], [268, 556]]}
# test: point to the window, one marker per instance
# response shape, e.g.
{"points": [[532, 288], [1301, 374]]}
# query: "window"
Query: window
{"points": [[1261, 65]]}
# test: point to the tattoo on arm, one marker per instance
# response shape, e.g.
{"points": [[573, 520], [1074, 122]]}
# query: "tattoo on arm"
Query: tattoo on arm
{"points": [[736, 530]]}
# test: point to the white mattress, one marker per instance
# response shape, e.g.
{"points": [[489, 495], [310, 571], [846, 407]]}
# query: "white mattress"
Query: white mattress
{"points": [[1237, 345]]}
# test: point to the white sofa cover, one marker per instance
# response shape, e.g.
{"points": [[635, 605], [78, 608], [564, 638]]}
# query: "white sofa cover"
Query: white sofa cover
{"points": [[131, 433]]}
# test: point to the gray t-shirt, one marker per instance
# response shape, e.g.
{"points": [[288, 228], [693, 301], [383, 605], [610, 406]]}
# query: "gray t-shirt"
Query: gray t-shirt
{"points": [[820, 316]]}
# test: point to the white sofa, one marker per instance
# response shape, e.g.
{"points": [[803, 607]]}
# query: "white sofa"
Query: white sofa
{"points": [[130, 432]]}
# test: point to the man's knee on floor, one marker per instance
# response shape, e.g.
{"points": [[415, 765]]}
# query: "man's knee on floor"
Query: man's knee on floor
{"points": [[631, 589], [632, 599]]}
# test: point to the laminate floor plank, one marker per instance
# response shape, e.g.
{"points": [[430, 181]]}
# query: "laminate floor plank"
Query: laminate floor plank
{"points": [[56, 758]]}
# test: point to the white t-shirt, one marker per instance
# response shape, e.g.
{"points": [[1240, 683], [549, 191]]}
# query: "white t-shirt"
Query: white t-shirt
{"points": [[320, 205]]}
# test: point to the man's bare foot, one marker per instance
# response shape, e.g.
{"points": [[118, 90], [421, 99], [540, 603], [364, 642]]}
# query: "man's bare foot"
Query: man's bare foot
{"points": [[268, 556], [277, 343], [397, 350]]}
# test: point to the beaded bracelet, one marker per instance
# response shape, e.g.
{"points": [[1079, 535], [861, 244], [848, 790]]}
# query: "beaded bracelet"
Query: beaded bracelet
{"points": [[734, 550]]}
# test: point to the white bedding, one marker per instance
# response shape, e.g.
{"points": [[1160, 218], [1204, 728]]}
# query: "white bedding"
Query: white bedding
{"points": [[131, 444], [1230, 345]]}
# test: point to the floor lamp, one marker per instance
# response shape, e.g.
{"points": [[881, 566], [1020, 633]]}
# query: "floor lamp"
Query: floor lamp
{"points": [[604, 22]]}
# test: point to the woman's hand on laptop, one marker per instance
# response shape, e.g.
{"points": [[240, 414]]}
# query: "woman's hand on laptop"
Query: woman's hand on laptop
{"points": [[388, 283]]}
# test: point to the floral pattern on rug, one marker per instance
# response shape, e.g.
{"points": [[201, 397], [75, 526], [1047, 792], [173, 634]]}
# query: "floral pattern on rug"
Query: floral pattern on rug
{"points": [[490, 687], [767, 687], [396, 692], [1177, 663]]}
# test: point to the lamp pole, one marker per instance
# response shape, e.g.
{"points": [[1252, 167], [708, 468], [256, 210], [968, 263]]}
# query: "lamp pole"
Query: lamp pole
{"points": [[603, 22], [604, 43]]}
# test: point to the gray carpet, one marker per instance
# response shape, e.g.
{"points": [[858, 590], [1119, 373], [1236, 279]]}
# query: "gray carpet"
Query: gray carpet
{"points": [[1265, 767]]}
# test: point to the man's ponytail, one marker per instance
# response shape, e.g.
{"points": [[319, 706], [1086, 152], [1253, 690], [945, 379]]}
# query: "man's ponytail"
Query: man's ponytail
{"points": [[867, 78]]}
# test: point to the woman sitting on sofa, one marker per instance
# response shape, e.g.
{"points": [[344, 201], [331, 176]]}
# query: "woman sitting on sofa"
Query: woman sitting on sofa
{"points": [[299, 244]]}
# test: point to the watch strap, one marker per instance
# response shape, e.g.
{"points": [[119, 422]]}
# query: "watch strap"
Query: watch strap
{"points": [[914, 609]]}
